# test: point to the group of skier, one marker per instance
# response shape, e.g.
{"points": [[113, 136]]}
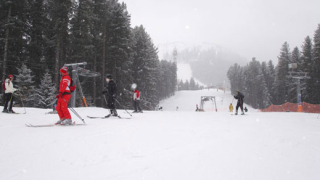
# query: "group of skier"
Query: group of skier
{"points": [[65, 89]]}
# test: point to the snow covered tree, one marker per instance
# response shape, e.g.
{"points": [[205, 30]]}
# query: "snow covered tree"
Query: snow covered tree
{"points": [[58, 22], [167, 79], [306, 66], [235, 76], [315, 74], [192, 84], [292, 87], [255, 91], [268, 78], [25, 84], [296, 58], [145, 66], [14, 38], [45, 95], [281, 81]]}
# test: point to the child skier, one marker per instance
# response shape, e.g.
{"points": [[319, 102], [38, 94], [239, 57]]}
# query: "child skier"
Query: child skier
{"points": [[231, 107]]}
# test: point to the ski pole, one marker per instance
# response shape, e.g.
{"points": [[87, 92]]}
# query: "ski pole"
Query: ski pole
{"points": [[75, 112], [122, 107], [117, 102], [22, 103]]}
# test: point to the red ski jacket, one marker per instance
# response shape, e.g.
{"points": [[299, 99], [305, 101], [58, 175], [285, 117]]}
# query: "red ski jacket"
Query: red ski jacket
{"points": [[64, 84]]}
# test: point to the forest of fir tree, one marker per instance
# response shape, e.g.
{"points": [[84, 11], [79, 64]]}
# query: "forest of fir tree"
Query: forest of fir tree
{"points": [[264, 84], [40, 36]]}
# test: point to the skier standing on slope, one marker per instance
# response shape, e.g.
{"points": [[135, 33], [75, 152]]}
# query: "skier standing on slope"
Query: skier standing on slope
{"points": [[8, 96], [231, 107], [136, 101], [111, 90], [240, 97], [63, 98]]}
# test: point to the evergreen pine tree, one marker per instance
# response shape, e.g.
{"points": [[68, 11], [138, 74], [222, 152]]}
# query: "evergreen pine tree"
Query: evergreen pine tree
{"points": [[292, 86], [281, 81], [58, 17], [45, 95], [306, 66], [14, 25], [192, 84], [145, 66], [315, 75], [270, 81], [25, 84]]}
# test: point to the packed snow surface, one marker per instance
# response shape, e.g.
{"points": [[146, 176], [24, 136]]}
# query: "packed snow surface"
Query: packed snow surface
{"points": [[162, 145], [184, 73]]}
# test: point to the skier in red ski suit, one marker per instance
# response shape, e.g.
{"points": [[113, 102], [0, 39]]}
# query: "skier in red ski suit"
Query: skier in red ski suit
{"points": [[63, 98]]}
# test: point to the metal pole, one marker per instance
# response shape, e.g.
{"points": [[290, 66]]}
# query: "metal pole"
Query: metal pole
{"points": [[74, 79]]}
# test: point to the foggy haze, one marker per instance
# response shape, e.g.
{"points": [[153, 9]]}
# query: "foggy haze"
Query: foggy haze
{"points": [[250, 28]]}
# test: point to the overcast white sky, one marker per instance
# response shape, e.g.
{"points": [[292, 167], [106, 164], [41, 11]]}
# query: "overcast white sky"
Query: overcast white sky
{"points": [[251, 28]]}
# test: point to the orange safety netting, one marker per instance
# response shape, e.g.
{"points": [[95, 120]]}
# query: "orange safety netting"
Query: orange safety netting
{"points": [[292, 107]]}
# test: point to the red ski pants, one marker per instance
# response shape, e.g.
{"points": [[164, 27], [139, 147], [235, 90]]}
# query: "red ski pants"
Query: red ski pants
{"points": [[62, 107]]}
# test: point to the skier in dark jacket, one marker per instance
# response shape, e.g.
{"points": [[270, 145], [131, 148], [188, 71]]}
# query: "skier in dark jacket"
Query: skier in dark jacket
{"points": [[111, 90], [240, 97]]}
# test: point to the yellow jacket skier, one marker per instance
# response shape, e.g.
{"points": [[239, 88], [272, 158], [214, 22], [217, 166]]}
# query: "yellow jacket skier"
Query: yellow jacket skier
{"points": [[231, 107]]}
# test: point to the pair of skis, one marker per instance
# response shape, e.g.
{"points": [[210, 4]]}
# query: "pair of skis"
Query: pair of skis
{"points": [[51, 125], [106, 117], [73, 123]]}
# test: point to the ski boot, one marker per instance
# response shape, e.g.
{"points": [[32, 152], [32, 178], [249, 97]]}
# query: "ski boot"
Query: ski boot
{"points": [[5, 111], [11, 111], [59, 122], [236, 113], [114, 112], [66, 122]]}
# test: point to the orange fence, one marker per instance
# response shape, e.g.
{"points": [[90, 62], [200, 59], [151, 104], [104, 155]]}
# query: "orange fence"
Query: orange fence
{"points": [[292, 107]]}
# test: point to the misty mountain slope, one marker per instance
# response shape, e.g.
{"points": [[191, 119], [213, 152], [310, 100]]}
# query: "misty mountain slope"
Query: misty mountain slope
{"points": [[209, 62], [184, 73]]}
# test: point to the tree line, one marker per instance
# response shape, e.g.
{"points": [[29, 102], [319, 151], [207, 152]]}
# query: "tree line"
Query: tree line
{"points": [[189, 85], [40, 36], [264, 84]]}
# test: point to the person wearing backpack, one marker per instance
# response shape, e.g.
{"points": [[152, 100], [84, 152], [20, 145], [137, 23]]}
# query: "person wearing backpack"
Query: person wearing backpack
{"points": [[8, 96], [240, 97], [63, 98]]}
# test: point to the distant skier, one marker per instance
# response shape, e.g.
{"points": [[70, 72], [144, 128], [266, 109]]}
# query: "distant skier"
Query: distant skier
{"points": [[245, 109], [197, 108], [111, 90], [8, 95], [231, 107], [240, 97], [177, 108], [136, 101], [64, 97]]}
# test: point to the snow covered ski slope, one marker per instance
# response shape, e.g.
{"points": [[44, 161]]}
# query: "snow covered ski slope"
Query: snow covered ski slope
{"points": [[162, 145]]}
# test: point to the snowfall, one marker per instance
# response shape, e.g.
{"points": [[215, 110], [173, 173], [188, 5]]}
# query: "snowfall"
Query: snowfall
{"points": [[176, 143]]}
